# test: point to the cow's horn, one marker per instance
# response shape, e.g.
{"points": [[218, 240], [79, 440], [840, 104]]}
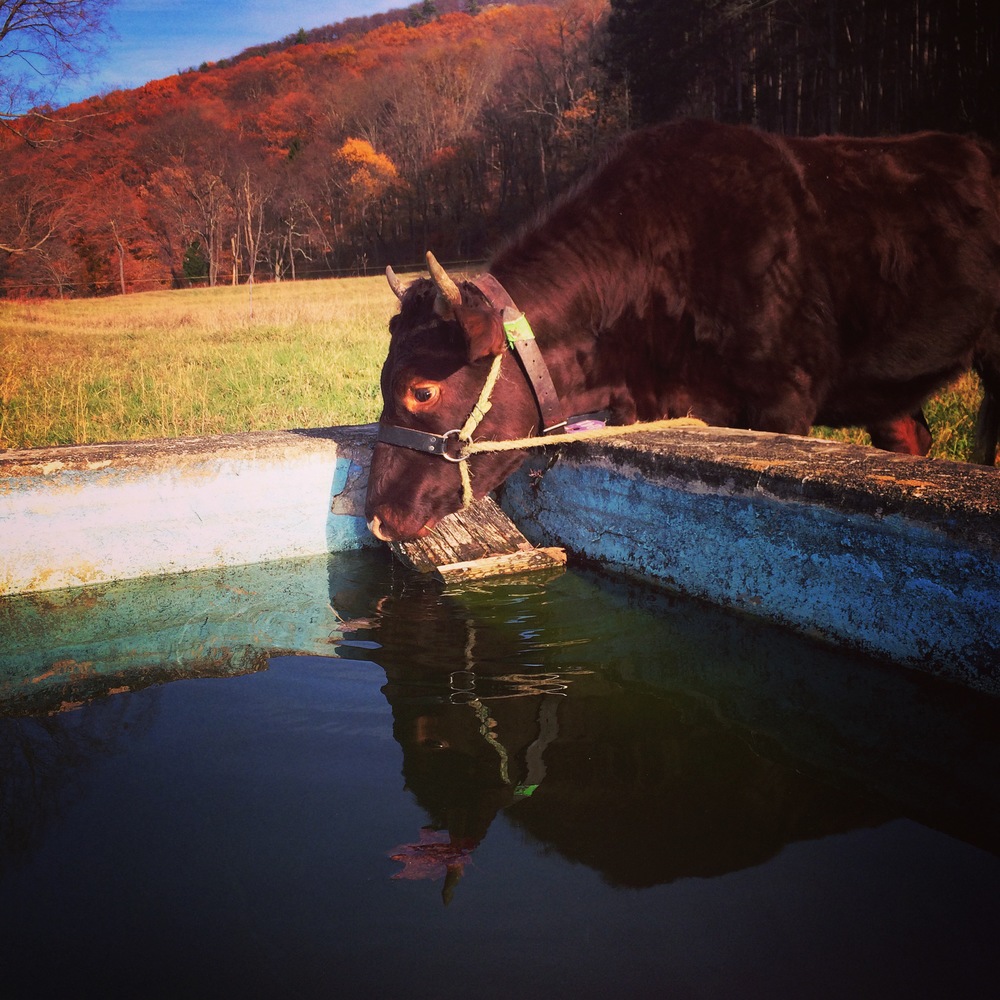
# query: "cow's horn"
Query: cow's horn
{"points": [[447, 287], [394, 283]]}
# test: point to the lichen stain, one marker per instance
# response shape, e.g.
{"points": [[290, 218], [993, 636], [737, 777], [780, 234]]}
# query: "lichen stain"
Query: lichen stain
{"points": [[68, 706], [81, 574], [65, 668], [765, 464], [915, 483]]}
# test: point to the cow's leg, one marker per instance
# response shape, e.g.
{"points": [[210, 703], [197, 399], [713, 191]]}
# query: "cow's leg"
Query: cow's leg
{"points": [[907, 435], [984, 443]]}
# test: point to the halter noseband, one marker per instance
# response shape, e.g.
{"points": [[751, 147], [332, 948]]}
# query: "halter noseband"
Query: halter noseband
{"points": [[448, 446]]}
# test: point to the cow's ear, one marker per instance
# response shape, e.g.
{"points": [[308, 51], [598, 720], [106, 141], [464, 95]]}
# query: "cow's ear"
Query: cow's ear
{"points": [[483, 330]]}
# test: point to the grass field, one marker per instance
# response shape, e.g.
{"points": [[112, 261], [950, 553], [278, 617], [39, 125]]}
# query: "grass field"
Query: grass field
{"points": [[206, 361], [192, 362]]}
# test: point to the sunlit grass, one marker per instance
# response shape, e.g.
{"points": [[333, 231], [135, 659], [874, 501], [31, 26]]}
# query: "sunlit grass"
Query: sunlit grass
{"points": [[180, 363], [220, 360], [951, 415]]}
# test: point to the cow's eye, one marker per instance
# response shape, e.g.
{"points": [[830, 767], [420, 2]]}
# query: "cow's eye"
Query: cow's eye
{"points": [[423, 395]]}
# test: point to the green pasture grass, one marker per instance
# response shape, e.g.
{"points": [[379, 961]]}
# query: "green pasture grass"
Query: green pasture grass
{"points": [[192, 362], [951, 415], [221, 360]]}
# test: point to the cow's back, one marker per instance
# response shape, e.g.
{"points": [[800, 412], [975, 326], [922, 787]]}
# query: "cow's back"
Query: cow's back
{"points": [[907, 232], [773, 282]]}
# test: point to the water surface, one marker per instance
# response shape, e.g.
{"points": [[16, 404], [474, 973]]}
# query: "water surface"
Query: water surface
{"points": [[324, 777]]}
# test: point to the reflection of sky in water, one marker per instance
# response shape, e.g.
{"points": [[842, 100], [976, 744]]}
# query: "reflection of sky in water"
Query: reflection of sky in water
{"points": [[640, 795]]}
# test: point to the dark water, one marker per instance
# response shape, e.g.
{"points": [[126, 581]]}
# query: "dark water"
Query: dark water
{"points": [[590, 790]]}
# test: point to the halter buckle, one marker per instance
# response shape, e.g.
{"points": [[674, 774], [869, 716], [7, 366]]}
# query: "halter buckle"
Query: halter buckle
{"points": [[461, 452]]}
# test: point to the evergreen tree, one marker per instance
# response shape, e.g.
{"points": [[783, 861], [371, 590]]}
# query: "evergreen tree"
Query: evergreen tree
{"points": [[195, 263], [422, 13], [657, 48], [811, 66]]}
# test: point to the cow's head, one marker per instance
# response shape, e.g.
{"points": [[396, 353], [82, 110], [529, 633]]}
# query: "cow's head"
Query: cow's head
{"points": [[444, 341]]}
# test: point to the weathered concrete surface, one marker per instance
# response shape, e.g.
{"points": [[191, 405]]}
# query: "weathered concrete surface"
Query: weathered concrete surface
{"points": [[91, 513], [895, 556]]}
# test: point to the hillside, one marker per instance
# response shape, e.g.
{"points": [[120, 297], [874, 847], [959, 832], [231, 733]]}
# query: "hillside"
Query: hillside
{"points": [[346, 147], [358, 145], [413, 16]]}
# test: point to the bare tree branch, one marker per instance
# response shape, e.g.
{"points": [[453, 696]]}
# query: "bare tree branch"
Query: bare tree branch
{"points": [[42, 42]]}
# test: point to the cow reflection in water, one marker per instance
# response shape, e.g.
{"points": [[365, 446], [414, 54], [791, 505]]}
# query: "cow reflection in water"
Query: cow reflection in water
{"points": [[645, 786]]}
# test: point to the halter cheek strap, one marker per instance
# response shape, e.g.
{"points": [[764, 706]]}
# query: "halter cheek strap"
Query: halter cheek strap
{"points": [[521, 339]]}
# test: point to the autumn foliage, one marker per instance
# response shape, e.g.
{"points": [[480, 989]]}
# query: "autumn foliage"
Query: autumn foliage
{"points": [[325, 157]]}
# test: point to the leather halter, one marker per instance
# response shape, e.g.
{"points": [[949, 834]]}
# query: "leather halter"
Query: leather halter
{"points": [[451, 446], [522, 341]]}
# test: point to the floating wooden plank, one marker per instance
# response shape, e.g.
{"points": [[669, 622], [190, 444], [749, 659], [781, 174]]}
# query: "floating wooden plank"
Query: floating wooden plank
{"points": [[476, 543], [529, 561]]}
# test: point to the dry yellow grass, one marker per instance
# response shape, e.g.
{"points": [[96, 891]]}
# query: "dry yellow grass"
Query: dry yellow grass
{"points": [[167, 364]]}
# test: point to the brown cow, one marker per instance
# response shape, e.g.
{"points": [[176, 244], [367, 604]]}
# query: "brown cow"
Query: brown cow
{"points": [[744, 278]]}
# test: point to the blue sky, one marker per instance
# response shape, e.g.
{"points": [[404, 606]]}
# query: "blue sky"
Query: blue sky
{"points": [[157, 38]]}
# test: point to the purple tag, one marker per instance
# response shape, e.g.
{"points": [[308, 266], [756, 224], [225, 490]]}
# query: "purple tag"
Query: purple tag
{"points": [[584, 425]]}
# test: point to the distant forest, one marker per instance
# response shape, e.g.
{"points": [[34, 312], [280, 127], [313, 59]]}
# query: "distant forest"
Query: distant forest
{"points": [[446, 125]]}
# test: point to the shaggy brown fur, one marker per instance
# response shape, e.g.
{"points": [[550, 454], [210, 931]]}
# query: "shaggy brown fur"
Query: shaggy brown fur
{"points": [[744, 278]]}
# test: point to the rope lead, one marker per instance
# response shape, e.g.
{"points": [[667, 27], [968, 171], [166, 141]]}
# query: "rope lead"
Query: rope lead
{"points": [[521, 444]]}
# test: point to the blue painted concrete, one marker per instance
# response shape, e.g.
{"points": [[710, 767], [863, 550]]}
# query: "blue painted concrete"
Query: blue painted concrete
{"points": [[88, 514], [70, 644], [894, 556], [915, 580]]}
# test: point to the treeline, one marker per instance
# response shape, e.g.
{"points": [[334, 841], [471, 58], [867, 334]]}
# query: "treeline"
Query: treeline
{"points": [[339, 153], [862, 67]]}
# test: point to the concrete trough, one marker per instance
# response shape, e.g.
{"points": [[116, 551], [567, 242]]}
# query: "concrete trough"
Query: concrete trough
{"points": [[93, 513], [893, 556]]}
